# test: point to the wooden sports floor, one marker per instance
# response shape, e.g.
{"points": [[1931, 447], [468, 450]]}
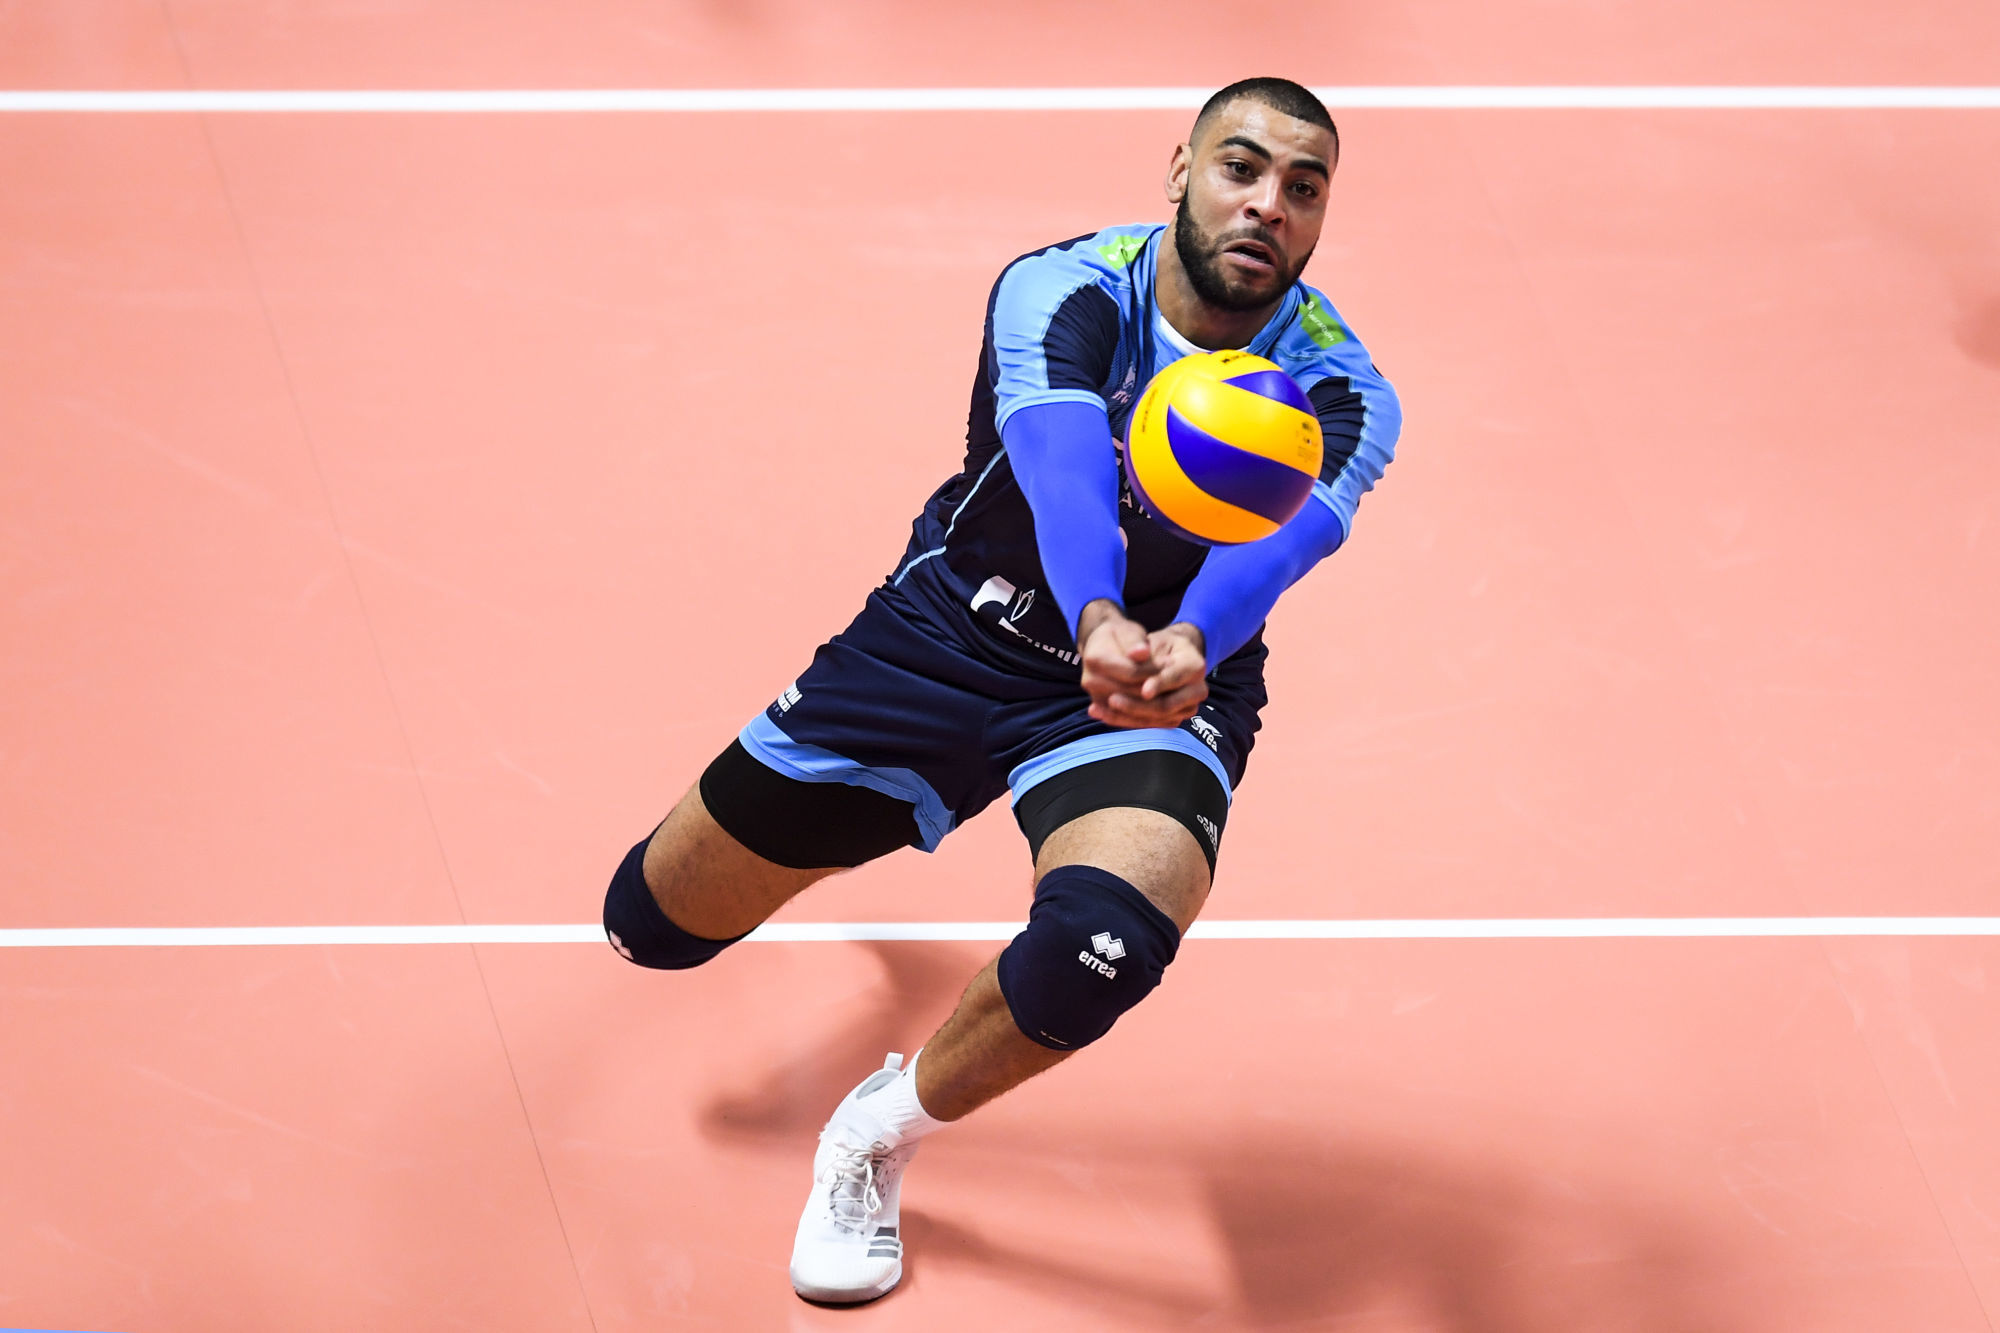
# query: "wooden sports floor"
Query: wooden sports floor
{"points": [[397, 509]]}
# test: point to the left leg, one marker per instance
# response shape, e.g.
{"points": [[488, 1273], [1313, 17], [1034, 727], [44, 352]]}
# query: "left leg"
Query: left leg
{"points": [[1115, 889], [1124, 832], [982, 1051]]}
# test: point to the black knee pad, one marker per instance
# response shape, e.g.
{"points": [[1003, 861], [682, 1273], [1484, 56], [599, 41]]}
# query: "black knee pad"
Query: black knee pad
{"points": [[638, 928], [1094, 947]]}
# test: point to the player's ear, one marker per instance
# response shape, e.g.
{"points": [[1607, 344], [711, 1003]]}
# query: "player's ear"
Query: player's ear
{"points": [[1177, 173]]}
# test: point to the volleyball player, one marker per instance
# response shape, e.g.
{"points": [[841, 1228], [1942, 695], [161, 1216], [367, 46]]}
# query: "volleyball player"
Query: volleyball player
{"points": [[1042, 636]]}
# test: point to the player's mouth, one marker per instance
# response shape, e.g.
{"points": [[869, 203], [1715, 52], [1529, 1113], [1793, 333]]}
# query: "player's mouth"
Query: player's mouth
{"points": [[1255, 256]]}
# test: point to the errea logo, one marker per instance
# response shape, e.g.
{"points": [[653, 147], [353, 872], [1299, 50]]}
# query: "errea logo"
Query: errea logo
{"points": [[1210, 733], [1110, 948], [788, 698]]}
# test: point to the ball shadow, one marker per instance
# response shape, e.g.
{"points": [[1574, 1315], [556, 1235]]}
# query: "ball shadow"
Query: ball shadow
{"points": [[1978, 331]]}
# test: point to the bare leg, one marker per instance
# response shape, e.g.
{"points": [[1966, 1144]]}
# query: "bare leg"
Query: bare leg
{"points": [[979, 1053], [709, 884]]}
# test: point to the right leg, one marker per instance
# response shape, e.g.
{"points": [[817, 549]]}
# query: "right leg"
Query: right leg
{"points": [[735, 849], [710, 884], [740, 845], [874, 747]]}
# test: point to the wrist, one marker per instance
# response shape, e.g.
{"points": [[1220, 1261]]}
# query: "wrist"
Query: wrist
{"points": [[1095, 613], [1193, 633]]}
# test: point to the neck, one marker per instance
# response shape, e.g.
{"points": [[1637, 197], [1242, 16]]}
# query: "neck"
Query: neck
{"points": [[1196, 320]]}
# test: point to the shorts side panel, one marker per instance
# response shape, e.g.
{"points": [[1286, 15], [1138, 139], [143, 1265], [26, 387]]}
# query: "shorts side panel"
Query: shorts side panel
{"points": [[773, 747], [891, 704]]}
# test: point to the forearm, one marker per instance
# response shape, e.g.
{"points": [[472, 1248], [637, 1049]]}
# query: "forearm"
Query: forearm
{"points": [[1067, 467], [1238, 585]]}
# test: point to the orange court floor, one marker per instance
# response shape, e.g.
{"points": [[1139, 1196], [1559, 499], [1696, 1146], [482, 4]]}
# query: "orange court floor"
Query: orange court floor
{"points": [[397, 510]]}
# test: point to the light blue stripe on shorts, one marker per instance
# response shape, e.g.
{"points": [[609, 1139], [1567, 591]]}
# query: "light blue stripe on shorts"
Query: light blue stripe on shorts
{"points": [[1106, 745], [811, 763]]}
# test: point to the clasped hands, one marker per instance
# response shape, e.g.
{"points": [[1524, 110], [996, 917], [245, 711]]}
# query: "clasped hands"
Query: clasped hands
{"points": [[1136, 677]]}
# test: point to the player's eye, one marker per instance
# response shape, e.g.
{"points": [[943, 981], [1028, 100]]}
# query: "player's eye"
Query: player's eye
{"points": [[1305, 189], [1236, 166]]}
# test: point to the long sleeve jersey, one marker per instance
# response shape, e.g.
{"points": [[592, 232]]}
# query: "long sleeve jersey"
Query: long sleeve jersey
{"points": [[1078, 322]]}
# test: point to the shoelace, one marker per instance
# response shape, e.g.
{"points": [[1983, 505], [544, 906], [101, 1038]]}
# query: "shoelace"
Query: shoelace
{"points": [[854, 1195]]}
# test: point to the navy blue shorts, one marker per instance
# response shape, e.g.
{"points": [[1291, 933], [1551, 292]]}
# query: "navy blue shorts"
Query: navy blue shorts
{"points": [[897, 704]]}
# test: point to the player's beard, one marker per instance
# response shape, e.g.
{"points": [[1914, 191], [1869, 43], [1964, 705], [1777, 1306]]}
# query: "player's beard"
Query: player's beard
{"points": [[1201, 259]]}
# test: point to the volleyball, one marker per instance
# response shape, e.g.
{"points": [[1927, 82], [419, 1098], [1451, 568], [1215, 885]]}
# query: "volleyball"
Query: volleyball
{"points": [[1223, 448]]}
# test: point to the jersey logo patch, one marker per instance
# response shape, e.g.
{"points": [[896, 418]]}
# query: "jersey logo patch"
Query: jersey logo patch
{"points": [[1122, 250], [1320, 326], [995, 589], [1014, 604]]}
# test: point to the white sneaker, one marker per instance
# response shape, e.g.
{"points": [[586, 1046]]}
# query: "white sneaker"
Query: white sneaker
{"points": [[849, 1248]]}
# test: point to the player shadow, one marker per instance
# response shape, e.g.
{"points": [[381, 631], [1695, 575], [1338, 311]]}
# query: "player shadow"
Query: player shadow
{"points": [[920, 985], [1316, 1230], [1314, 1225], [1335, 1231]]}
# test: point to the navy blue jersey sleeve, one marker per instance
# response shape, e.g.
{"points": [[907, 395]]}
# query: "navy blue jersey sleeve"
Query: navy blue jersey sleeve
{"points": [[1054, 333], [1360, 419], [1360, 416]]}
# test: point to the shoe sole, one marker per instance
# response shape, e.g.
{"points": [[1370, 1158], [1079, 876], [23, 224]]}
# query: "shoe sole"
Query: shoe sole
{"points": [[834, 1296]]}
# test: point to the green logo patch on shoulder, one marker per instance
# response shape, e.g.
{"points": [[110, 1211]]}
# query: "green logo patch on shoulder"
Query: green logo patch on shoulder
{"points": [[1319, 323], [1122, 250]]}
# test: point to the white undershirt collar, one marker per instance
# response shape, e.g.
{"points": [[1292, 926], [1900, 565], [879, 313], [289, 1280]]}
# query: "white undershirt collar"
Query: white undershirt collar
{"points": [[1170, 335]]}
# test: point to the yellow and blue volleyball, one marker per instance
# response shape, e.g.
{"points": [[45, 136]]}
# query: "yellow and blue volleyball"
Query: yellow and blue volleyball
{"points": [[1223, 448]]}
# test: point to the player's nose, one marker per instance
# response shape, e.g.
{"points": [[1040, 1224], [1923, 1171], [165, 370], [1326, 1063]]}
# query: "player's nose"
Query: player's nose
{"points": [[1267, 203]]}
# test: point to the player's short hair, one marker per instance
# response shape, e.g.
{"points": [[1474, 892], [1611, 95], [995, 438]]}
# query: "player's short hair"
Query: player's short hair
{"points": [[1282, 95]]}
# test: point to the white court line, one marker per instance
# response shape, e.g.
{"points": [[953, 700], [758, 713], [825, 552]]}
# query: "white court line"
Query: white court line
{"points": [[1441, 97], [1514, 928]]}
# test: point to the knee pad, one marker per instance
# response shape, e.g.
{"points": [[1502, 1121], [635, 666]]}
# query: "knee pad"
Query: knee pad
{"points": [[638, 928], [1094, 946]]}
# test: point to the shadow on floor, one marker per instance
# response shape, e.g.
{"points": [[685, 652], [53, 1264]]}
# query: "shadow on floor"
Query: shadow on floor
{"points": [[920, 985], [1979, 331], [1317, 1225]]}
